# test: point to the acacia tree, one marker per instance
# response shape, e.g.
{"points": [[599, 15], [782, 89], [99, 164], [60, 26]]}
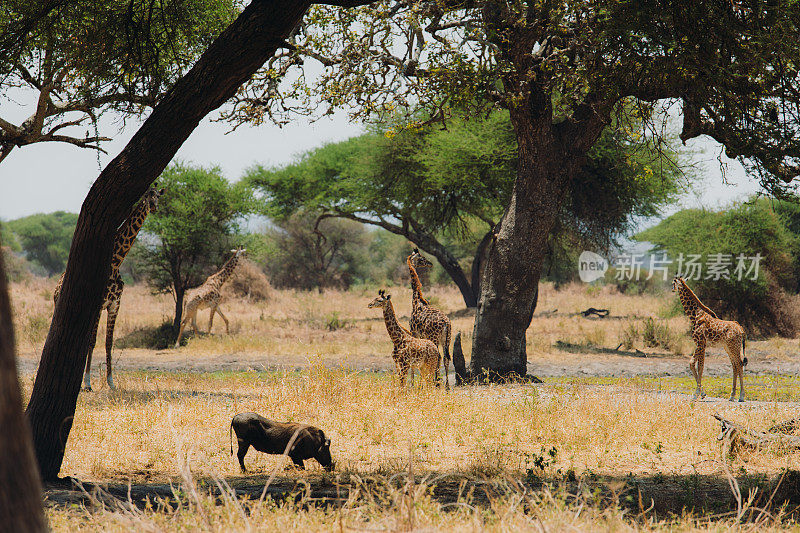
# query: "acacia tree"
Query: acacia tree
{"points": [[86, 57], [190, 234], [446, 189], [561, 69], [234, 56]]}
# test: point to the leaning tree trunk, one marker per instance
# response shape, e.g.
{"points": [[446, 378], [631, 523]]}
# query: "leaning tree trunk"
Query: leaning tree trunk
{"points": [[509, 288], [229, 61], [20, 490]]}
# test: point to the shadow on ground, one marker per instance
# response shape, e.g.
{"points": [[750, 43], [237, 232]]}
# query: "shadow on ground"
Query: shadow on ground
{"points": [[653, 495]]}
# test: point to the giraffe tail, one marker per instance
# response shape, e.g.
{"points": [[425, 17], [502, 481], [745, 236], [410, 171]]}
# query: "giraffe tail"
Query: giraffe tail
{"points": [[744, 358]]}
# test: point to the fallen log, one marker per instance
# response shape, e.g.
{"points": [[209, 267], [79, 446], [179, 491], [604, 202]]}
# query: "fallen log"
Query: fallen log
{"points": [[740, 438], [600, 313]]}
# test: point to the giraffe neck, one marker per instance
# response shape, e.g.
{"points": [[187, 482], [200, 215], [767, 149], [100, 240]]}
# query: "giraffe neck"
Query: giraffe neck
{"points": [[691, 303], [688, 303], [417, 299], [225, 272], [395, 330], [126, 235]]}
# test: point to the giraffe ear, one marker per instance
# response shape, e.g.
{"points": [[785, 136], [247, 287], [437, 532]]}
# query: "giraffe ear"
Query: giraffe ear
{"points": [[388, 296]]}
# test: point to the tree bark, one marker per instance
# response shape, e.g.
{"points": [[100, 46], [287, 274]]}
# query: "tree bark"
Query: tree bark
{"points": [[509, 288], [20, 490], [229, 61]]}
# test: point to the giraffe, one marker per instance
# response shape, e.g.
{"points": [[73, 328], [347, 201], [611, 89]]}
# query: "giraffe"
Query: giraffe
{"points": [[409, 351], [123, 241], [708, 330], [427, 322], [208, 295]]}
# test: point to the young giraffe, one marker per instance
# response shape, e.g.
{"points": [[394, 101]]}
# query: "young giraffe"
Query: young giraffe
{"points": [[708, 330], [123, 241], [427, 322], [409, 351], [208, 295]]}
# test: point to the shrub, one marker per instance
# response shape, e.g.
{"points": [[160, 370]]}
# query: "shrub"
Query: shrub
{"points": [[763, 305], [17, 268], [656, 334], [154, 338], [629, 335], [248, 281], [334, 322]]}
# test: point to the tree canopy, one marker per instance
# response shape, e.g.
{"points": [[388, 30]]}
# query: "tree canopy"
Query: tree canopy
{"points": [[563, 71], [576, 60], [83, 58], [441, 188], [45, 238], [759, 298], [191, 233]]}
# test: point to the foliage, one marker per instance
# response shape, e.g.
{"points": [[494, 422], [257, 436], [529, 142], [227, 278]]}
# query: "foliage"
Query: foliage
{"points": [[195, 226], [444, 189], [8, 239], [249, 281], [17, 268], [45, 238], [761, 305], [569, 63], [307, 258], [86, 57]]}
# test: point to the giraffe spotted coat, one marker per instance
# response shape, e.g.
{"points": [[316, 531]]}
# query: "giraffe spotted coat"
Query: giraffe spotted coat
{"points": [[427, 322], [123, 241], [709, 330], [409, 351], [208, 295]]}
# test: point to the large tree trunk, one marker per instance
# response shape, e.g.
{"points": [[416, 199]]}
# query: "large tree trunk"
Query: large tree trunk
{"points": [[230, 60], [20, 491], [514, 259]]}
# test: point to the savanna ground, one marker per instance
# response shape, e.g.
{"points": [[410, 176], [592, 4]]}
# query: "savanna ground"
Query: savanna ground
{"points": [[610, 440]]}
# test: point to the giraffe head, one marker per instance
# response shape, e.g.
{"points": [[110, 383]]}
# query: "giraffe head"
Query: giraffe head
{"points": [[238, 252], [418, 260], [676, 283], [150, 198], [381, 301]]}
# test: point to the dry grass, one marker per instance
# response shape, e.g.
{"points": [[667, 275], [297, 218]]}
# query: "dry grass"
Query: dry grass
{"points": [[598, 426], [146, 432], [297, 323]]}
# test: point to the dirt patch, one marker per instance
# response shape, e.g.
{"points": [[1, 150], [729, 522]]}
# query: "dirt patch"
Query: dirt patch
{"points": [[565, 360]]}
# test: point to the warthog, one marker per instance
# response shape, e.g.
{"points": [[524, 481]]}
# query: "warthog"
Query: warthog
{"points": [[298, 441]]}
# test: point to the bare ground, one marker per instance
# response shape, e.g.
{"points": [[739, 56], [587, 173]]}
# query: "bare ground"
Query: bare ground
{"points": [[563, 360]]}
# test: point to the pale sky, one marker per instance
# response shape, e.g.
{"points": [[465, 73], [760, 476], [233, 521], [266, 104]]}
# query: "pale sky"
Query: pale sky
{"points": [[47, 177]]}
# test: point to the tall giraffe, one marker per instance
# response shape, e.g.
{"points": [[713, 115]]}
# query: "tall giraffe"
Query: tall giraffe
{"points": [[123, 241], [428, 322], [409, 351], [208, 295], [708, 330]]}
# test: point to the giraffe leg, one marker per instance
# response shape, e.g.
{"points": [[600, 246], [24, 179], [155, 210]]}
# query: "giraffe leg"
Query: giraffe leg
{"points": [[446, 361], [227, 324], [696, 366], [180, 333], [700, 362], [738, 371], [111, 320], [693, 368], [211, 318], [87, 375]]}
